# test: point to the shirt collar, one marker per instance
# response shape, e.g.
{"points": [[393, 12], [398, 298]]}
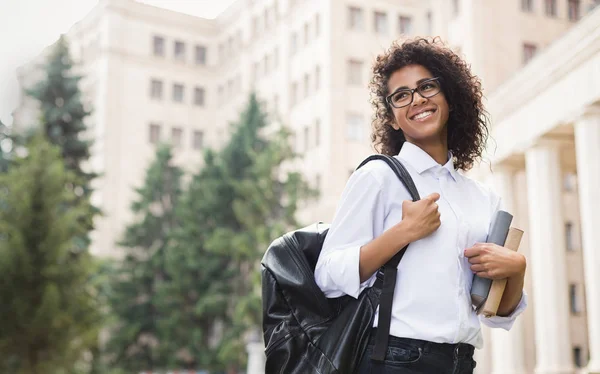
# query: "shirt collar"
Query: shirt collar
{"points": [[421, 161]]}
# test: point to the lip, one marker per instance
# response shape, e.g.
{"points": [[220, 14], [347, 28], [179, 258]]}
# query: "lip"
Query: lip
{"points": [[412, 116]]}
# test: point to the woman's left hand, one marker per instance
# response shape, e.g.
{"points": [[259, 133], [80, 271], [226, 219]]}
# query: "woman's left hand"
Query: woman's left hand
{"points": [[495, 262]]}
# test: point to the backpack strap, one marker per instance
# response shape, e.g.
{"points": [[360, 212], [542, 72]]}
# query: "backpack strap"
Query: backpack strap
{"points": [[386, 276]]}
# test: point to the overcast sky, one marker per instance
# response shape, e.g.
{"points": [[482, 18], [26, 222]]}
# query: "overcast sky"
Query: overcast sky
{"points": [[27, 26]]}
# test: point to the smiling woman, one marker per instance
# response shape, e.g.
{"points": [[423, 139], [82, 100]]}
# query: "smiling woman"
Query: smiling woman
{"points": [[466, 117], [428, 115]]}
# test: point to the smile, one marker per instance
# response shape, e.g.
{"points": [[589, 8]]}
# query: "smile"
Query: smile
{"points": [[423, 115]]}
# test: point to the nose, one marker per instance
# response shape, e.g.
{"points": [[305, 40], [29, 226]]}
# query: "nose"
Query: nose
{"points": [[418, 99]]}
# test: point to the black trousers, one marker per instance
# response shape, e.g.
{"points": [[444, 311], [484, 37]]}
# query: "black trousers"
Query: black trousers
{"points": [[412, 356]]}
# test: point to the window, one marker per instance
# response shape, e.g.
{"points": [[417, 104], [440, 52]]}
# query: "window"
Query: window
{"points": [[355, 18], [200, 55], [176, 136], [266, 18], [317, 132], [529, 51], [230, 46], [255, 26], [198, 139], [156, 89], [354, 72], [577, 360], [306, 138], [154, 133], [381, 24], [404, 25], [574, 299], [294, 43], [318, 182], [306, 85], [158, 46], [354, 127], [221, 94], [574, 10], [178, 92], [317, 77], [550, 6], [455, 7], [179, 51], [276, 58], [527, 5], [255, 71], [317, 25], [230, 87], [221, 52], [429, 23], [267, 64], [276, 104], [569, 182], [199, 96], [306, 33], [569, 236], [294, 93]]}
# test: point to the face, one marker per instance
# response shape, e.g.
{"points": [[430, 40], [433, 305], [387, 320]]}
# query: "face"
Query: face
{"points": [[424, 120]]}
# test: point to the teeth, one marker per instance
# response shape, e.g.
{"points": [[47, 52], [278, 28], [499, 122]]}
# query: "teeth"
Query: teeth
{"points": [[423, 115]]}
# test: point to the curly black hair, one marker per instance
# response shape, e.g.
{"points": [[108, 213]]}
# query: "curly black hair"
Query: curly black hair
{"points": [[468, 120]]}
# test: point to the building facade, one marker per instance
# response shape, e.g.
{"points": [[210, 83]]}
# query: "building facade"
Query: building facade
{"points": [[154, 75]]}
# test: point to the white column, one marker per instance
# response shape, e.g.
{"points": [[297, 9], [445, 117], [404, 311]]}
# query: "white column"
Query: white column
{"points": [[483, 356], [256, 358], [547, 261], [587, 144], [508, 347]]}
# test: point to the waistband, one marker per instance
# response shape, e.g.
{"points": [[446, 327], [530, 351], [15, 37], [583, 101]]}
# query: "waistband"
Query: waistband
{"points": [[457, 349]]}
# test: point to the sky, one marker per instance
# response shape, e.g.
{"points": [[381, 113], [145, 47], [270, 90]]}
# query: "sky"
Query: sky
{"points": [[27, 26]]}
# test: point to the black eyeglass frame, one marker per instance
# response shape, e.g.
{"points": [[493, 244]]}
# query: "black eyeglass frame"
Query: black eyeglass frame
{"points": [[388, 98]]}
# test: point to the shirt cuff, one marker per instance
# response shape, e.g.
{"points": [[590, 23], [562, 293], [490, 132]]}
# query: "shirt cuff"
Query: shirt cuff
{"points": [[506, 322], [339, 274]]}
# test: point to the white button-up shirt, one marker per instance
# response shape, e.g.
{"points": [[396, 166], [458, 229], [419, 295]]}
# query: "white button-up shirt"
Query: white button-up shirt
{"points": [[432, 295]]}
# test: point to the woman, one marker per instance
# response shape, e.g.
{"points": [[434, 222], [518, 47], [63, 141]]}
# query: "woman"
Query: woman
{"points": [[429, 114]]}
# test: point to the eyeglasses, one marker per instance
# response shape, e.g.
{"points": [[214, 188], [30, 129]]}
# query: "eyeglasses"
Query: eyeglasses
{"points": [[404, 97]]}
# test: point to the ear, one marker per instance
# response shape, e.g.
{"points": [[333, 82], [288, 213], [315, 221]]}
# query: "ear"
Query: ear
{"points": [[394, 124]]}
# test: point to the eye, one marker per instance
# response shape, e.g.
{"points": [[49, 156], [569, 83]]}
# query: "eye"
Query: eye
{"points": [[428, 86], [399, 96]]}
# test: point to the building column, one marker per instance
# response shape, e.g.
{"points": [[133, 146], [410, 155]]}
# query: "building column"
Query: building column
{"points": [[548, 259], [587, 145], [508, 347], [483, 356]]}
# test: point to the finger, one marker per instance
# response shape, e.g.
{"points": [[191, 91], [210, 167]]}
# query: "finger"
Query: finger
{"points": [[475, 260], [477, 268], [473, 251], [434, 196], [483, 274]]}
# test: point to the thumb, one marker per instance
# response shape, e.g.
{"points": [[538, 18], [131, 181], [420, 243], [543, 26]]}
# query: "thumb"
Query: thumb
{"points": [[434, 196]]}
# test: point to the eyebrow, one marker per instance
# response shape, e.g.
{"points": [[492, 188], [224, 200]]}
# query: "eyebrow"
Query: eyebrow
{"points": [[407, 88]]}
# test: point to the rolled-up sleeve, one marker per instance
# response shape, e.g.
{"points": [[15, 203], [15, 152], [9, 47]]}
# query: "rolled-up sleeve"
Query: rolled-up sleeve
{"points": [[506, 322], [358, 220]]}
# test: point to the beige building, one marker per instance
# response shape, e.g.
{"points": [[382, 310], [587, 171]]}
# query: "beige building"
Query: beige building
{"points": [[154, 75]]}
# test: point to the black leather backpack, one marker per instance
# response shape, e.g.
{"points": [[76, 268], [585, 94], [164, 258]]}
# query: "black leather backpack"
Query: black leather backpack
{"points": [[304, 331]]}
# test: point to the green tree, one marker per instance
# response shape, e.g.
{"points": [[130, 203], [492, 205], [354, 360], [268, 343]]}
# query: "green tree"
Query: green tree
{"points": [[5, 147], [62, 116], [234, 207], [136, 343], [199, 290], [49, 313]]}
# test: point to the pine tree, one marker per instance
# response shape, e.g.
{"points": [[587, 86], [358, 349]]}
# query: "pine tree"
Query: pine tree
{"points": [[234, 207], [49, 313], [63, 116], [135, 300], [199, 279]]}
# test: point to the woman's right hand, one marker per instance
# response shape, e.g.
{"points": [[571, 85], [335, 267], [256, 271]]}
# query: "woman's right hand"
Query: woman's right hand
{"points": [[422, 217]]}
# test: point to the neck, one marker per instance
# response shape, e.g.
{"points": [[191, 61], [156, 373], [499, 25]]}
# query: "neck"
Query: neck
{"points": [[439, 152]]}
